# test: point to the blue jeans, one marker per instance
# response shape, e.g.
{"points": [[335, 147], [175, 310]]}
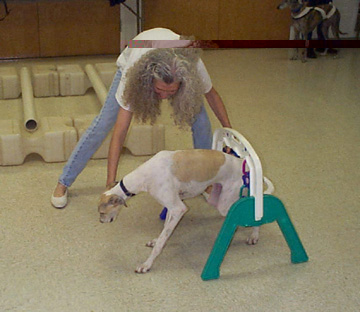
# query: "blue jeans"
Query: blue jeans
{"points": [[91, 140], [201, 130]]}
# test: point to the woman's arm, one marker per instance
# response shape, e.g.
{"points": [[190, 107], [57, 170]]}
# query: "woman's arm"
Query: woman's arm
{"points": [[218, 107], [116, 144]]}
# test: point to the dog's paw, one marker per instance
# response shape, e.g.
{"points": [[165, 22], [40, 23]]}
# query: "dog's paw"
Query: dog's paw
{"points": [[144, 268], [252, 239], [151, 243]]}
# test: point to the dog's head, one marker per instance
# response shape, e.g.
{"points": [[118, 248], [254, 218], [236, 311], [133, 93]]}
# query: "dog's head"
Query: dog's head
{"points": [[109, 207], [289, 3]]}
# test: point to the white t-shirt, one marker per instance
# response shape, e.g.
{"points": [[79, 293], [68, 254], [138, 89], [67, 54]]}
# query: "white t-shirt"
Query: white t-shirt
{"points": [[154, 38]]}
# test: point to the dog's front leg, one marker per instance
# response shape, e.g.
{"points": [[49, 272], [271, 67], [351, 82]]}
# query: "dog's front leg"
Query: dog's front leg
{"points": [[303, 55], [295, 51], [294, 54], [254, 237], [304, 50], [151, 243], [171, 222]]}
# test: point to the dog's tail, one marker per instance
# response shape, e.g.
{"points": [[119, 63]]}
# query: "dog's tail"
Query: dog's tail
{"points": [[342, 33], [270, 186]]}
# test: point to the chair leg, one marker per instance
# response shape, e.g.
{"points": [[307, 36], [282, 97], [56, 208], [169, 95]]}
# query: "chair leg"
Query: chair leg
{"points": [[242, 214], [298, 253], [216, 257], [242, 210]]}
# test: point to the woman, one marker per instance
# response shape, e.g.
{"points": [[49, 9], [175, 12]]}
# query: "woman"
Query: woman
{"points": [[146, 76]]}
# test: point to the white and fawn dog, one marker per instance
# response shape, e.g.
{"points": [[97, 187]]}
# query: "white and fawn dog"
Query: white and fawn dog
{"points": [[305, 19], [170, 177]]}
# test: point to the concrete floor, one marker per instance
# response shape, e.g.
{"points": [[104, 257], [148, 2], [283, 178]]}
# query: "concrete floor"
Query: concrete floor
{"points": [[304, 122]]}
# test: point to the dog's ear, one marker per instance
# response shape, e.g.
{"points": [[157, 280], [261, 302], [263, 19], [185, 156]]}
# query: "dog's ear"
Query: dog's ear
{"points": [[117, 200], [123, 202]]}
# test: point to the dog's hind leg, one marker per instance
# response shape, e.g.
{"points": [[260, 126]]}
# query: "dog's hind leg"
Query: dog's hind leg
{"points": [[215, 194], [254, 237], [325, 28], [172, 219]]}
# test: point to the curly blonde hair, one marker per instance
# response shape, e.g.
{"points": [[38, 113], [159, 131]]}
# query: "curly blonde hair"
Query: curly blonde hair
{"points": [[168, 65]]}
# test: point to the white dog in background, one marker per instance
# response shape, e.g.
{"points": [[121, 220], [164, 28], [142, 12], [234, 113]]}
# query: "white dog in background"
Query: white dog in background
{"points": [[170, 177]]}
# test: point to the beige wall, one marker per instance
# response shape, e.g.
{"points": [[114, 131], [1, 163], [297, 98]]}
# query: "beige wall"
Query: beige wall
{"points": [[78, 27], [220, 19], [43, 28], [59, 28], [253, 20], [187, 17], [19, 31]]}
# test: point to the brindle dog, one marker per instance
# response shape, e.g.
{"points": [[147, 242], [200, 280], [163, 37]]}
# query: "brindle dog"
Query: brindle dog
{"points": [[306, 19]]}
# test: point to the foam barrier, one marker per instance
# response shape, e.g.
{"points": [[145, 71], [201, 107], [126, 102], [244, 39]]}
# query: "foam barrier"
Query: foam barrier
{"points": [[30, 118], [55, 137], [53, 80], [9, 83], [73, 80], [54, 141], [45, 81], [141, 139]]}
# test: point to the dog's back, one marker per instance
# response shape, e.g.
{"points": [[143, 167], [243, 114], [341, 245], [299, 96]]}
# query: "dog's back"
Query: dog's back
{"points": [[196, 165], [189, 171]]}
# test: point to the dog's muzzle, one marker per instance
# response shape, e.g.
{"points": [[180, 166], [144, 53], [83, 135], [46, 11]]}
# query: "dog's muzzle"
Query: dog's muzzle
{"points": [[108, 218], [103, 220]]}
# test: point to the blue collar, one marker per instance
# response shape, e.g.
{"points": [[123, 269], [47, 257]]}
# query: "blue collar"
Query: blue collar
{"points": [[124, 189]]}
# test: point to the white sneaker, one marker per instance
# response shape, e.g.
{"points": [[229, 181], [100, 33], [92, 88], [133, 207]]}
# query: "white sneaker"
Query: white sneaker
{"points": [[59, 202]]}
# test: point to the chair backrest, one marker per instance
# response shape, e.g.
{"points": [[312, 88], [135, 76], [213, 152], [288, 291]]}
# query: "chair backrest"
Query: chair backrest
{"points": [[233, 139]]}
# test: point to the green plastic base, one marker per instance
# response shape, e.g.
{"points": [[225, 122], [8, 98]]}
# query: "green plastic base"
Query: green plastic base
{"points": [[242, 213]]}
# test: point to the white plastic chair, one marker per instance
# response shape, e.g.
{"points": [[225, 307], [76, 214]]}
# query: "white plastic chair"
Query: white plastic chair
{"points": [[233, 139], [254, 210]]}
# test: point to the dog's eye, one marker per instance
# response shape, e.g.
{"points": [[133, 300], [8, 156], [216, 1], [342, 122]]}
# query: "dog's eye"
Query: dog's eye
{"points": [[102, 208]]}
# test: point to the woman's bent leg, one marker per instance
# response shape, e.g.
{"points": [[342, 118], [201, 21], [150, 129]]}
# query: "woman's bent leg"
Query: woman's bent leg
{"points": [[91, 140], [201, 131]]}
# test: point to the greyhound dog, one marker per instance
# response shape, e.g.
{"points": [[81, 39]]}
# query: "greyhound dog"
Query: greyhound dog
{"points": [[305, 19], [170, 177]]}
